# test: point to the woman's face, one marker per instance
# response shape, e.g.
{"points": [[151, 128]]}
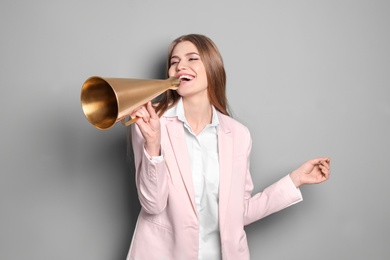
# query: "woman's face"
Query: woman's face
{"points": [[185, 64]]}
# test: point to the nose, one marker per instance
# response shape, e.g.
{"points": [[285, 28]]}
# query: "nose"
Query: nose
{"points": [[180, 66]]}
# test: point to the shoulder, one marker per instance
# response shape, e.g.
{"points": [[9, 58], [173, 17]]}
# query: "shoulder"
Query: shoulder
{"points": [[228, 123], [233, 131]]}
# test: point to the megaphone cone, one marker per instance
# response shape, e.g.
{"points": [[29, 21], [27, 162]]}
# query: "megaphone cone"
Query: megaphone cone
{"points": [[105, 101]]}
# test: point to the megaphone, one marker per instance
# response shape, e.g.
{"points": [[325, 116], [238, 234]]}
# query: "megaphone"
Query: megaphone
{"points": [[106, 101]]}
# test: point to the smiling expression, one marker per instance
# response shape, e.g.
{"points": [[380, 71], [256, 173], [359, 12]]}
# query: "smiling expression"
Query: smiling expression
{"points": [[186, 64]]}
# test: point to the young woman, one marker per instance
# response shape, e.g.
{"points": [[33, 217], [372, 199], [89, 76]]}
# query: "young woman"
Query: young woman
{"points": [[192, 166]]}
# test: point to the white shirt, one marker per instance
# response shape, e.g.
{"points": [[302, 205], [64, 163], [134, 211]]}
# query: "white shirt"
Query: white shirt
{"points": [[203, 153]]}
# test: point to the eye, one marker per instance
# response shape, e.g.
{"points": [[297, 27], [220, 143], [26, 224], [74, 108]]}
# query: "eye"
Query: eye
{"points": [[173, 62], [192, 59]]}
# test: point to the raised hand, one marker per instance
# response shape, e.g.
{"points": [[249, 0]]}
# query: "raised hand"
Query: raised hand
{"points": [[313, 171], [149, 124]]}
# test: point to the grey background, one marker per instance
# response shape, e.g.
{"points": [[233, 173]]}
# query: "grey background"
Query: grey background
{"points": [[309, 78]]}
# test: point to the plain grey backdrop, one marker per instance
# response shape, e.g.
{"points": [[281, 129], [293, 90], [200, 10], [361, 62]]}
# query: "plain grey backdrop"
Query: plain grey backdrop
{"points": [[309, 78]]}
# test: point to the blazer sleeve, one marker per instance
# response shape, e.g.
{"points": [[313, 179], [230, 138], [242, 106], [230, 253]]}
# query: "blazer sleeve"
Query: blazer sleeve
{"points": [[151, 176], [274, 198]]}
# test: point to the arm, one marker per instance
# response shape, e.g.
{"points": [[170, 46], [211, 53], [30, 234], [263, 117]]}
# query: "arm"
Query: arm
{"points": [[285, 192], [272, 199], [275, 197], [151, 174]]}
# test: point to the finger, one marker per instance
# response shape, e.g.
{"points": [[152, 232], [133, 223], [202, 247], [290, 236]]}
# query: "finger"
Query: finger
{"points": [[142, 113], [316, 161], [326, 160], [324, 171], [323, 167], [136, 112], [325, 163], [151, 110], [321, 160], [143, 124]]}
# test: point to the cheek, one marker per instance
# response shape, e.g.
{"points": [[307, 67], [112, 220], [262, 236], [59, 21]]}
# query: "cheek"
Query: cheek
{"points": [[202, 74], [201, 70], [171, 71]]}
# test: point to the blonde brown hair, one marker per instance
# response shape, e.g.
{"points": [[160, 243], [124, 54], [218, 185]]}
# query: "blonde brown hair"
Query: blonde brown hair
{"points": [[216, 76]]}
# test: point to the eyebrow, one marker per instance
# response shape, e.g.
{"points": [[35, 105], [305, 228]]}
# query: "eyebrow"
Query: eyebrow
{"points": [[187, 54]]}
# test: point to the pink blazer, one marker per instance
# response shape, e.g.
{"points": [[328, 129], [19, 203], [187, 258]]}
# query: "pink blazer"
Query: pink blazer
{"points": [[167, 226]]}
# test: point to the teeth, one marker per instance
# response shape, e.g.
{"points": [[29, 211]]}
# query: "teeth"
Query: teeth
{"points": [[186, 77]]}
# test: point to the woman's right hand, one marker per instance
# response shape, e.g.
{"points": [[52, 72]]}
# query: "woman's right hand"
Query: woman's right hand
{"points": [[149, 124]]}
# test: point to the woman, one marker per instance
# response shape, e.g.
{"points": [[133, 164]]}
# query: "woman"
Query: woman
{"points": [[192, 166]]}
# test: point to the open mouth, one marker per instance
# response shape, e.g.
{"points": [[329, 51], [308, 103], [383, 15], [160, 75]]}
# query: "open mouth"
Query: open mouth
{"points": [[186, 78]]}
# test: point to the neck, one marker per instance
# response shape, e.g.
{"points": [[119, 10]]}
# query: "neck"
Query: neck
{"points": [[198, 114]]}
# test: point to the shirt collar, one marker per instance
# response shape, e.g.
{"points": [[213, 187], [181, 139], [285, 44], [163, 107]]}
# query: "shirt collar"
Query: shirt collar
{"points": [[178, 111]]}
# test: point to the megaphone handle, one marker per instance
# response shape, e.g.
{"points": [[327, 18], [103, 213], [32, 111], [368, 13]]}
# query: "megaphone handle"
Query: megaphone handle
{"points": [[127, 123]]}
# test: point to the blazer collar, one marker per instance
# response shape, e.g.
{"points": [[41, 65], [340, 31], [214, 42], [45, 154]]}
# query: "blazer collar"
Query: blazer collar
{"points": [[225, 152], [176, 136]]}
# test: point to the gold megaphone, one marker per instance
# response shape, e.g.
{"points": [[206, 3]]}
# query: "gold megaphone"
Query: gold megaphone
{"points": [[105, 101]]}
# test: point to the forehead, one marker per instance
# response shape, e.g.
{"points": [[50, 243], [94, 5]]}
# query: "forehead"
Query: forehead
{"points": [[184, 48]]}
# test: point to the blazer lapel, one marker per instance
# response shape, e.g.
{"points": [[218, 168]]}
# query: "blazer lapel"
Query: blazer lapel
{"points": [[176, 136], [225, 151]]}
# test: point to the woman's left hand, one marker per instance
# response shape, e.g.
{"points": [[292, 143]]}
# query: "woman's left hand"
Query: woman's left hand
{"points": [[313, 171]]}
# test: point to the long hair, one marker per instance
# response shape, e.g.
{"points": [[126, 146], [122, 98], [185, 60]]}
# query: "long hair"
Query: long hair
{"points": [[215, 71]]}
